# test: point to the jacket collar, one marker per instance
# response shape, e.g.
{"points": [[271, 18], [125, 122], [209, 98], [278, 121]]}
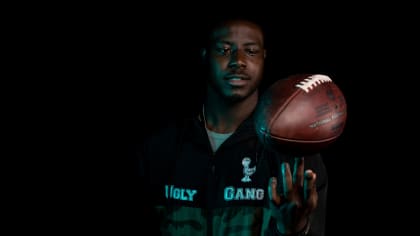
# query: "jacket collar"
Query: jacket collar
{"points": [[197, 131]]}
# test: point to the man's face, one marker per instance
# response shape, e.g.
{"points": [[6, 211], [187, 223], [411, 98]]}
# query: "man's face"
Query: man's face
{"points": [[236, 59]]}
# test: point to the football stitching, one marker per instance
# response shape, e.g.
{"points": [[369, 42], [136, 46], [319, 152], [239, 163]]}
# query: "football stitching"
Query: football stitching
{"points": [[312, 81]]}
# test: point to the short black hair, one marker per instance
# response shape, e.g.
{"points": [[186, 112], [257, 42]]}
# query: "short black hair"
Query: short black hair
{"points": [[215, 21]]}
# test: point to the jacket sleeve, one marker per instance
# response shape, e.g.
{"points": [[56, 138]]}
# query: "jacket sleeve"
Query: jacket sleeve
{"points": [[145, 201]]}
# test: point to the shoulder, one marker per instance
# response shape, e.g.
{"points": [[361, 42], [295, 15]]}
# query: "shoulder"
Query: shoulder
{"points": [[165, 135], [164, 131]]}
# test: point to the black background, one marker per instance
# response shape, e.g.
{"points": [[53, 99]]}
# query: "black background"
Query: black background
{"points": [[117, 73]]}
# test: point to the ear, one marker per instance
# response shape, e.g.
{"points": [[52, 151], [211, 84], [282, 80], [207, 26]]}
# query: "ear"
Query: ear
{"points": [[203, 53], [204, 56]]}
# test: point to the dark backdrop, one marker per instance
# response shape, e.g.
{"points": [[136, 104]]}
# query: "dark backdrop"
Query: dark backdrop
{"points": [[153, 73], [125, 73], [138, 74]]}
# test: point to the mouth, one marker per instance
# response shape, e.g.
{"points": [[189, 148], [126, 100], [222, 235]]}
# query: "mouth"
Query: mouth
{"points": [[237, 79]]}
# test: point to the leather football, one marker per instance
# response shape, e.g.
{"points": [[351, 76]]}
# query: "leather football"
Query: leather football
{"points": [[301, 114]]}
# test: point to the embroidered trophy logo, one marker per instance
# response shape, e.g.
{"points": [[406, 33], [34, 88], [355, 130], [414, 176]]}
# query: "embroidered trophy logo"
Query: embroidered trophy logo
{"points": [[247, 170]]}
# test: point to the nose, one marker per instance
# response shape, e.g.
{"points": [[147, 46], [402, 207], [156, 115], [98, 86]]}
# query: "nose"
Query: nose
{"points": [[237, 60]]}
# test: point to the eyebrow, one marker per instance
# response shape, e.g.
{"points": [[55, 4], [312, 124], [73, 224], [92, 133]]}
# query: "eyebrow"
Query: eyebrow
{"points": [[230, 43]]}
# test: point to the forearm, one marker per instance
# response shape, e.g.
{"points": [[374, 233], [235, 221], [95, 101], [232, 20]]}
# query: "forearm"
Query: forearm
{"points": [[318, 217], [273, 231]]}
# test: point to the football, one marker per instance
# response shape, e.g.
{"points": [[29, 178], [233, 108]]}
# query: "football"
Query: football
{"points": [[301, 114]]}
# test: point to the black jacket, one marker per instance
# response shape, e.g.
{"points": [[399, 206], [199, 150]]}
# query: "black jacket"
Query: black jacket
{"points": [[193, 191]]}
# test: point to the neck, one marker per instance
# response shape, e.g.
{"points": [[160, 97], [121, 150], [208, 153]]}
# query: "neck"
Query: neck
{"points": [[224, 117]]}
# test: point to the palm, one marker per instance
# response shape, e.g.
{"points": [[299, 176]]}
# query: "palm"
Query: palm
{"points": [[298, 198]]}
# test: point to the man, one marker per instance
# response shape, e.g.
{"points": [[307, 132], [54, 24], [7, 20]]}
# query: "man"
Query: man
{"points": [[209, 175]]}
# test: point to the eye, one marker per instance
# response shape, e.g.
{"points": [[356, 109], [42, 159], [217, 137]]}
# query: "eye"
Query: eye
{"points": [[251, 51], [224, 51]]}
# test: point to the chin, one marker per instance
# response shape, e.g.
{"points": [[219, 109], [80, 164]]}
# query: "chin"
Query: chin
{"points": [[236, 97]]}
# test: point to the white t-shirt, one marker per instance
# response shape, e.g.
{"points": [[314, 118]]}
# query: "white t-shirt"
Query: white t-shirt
{"points": [[216, 139]]}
